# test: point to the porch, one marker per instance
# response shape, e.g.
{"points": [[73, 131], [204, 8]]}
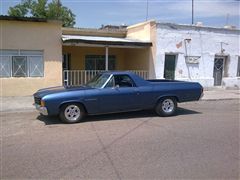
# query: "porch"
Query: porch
{"points": [[84, 57], [78, 77]]}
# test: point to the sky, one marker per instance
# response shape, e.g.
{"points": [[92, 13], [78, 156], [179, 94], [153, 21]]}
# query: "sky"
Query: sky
{"points": [[94, 13]]}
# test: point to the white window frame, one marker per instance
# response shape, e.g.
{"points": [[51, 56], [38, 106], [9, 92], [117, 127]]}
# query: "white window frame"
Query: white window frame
{"points": [[20, 53]]}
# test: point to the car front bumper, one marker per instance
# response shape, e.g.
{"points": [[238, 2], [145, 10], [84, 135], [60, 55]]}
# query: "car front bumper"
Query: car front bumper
{"points": [[42, 110]]}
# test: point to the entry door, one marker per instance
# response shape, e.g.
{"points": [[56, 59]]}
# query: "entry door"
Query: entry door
{"points": [[66, 61], [218, 71], [120, 94], [169, 66], [118, 99]]}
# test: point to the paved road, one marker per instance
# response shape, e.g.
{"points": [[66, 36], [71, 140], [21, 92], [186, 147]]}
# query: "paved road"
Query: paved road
{"points": [[202, 141]]}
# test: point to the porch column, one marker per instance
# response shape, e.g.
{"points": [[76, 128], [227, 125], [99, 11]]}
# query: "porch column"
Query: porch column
{"points": [[106, 58]]}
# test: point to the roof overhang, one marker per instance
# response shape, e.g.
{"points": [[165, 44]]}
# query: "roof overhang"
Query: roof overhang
{"points": [[29, 19], [97, 41]]}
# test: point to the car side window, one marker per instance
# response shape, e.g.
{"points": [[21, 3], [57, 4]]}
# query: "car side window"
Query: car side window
{"points": [[123, 81], [110, 83]]}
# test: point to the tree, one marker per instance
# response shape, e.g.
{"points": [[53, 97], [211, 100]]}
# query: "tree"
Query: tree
{"points": [[57, 11], [39, 8], [19, 10], [42, 9]]}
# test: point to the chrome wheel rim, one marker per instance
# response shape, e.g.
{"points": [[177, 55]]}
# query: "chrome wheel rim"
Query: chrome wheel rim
{"points": [[168, 105], [72, 112]]}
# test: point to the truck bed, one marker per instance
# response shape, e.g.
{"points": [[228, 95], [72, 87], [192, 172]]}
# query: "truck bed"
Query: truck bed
{"points": [[183, 90], [162, 80]]}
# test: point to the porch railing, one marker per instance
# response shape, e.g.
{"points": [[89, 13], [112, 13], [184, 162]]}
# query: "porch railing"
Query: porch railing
{"points": [[78, 77]]}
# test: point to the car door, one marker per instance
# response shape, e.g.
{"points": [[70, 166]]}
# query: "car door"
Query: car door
{"points": [[120, 94]]}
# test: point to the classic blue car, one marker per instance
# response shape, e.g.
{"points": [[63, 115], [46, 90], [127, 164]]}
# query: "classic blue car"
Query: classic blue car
{"points": [[112, 92]]}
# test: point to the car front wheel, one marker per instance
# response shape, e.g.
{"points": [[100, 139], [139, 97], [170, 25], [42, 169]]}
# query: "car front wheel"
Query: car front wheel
{"points": [[71, 113], [166, 106]]}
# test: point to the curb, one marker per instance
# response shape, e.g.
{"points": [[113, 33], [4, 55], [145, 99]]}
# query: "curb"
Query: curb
{"points": [[18, 110], [220, 99]]}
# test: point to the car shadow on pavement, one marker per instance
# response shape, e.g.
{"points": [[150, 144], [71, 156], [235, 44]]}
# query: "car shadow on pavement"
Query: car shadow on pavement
{"points": [[53, 120], [183, 111], [49, 120]]}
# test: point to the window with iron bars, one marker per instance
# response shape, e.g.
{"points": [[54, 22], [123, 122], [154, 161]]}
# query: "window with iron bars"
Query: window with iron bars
{"points": [[238, 67], [21, 63], [97, 62]]}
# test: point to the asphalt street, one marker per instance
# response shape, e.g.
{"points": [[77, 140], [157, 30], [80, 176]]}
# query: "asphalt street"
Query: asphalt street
{"points": [[201, 141]]}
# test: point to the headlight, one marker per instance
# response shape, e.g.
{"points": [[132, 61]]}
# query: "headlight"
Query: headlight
{"points": [[42, 103]]}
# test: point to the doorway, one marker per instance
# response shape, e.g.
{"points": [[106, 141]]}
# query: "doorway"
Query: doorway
{"points": [[169, 67], [218, 70], [66, 61]]}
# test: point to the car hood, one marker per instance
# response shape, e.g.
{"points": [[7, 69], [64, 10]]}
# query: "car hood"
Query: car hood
{"points": [[58, 89]]}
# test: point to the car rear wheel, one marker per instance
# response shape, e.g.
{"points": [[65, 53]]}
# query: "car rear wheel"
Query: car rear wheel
{"points": [[71, 113], [166, 106]]}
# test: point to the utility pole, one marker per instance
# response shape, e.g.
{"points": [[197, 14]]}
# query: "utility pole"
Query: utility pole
{"points": [[192, 12], [227, 19], [147, 11]]}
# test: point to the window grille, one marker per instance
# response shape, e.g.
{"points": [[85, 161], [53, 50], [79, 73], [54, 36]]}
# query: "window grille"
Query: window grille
{"points": [[35, 66], [5, 66], [30, 53], [19, 66], [238, 67], [4, 52], [97, 62], [21, 63]]}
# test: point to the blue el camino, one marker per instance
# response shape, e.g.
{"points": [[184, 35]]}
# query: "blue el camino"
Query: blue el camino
{"points": [[112, 92]]}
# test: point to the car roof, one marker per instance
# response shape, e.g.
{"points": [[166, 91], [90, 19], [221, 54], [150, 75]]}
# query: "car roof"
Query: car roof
{"points": [[118, 72], [138, 80]]}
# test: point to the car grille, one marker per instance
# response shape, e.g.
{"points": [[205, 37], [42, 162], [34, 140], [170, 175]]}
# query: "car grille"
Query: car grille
{"points": [[37, 100]]}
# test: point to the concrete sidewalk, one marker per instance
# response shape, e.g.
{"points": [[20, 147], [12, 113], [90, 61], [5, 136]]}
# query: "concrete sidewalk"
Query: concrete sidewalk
{"points": [[21, 103], [221, 94], [24, 103]]}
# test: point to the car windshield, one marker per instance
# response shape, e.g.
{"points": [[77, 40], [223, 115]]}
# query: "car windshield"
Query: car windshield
{"points": [[98, 81]]}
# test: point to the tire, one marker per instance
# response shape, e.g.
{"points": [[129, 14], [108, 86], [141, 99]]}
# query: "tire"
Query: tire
{"points": [[167, 106], [71, 113]]}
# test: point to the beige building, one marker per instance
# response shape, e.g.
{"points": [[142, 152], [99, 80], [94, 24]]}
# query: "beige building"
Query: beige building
{"points": [[30, 55], [87, 51], [39, 53]]}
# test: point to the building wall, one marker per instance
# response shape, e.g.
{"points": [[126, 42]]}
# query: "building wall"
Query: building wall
{"points": [[121, 33], [137, 59], [146, 32], [126, 58], [24, 35], [205, 43]]}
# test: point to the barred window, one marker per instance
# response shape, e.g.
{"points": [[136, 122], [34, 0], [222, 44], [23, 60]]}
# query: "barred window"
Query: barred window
{"points": [[5, 66], [238, 67], [7, 52], [19, 66], [35, 66], [97, 62], [21, 63]]}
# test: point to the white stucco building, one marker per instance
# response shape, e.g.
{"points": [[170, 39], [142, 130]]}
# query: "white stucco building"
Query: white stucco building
{"points": [[208, 55]]}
